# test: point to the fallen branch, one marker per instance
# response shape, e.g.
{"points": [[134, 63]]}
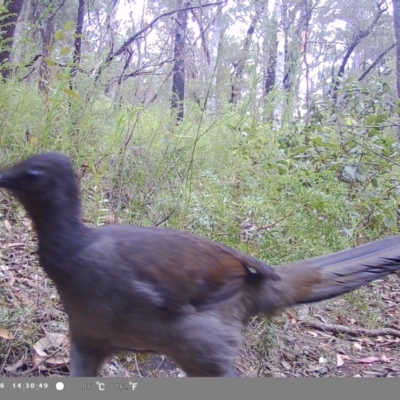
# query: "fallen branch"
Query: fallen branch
{"points": [[351, 331], [274, 223]]}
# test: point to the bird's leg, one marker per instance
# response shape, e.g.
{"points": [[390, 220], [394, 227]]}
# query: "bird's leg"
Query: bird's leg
{"points": [[86, 358]]}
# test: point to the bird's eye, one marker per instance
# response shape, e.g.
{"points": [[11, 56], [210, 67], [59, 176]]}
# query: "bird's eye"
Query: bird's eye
{"points": [[34, 173]]}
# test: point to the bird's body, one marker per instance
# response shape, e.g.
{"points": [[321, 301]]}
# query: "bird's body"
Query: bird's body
{"points": [[130, 299], [159, 290]]}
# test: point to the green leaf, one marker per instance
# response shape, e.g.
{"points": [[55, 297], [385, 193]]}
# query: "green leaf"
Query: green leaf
{"points": [[326, 145], [65, 51], [373, 132], [317, 140], [389, 222], [376, 119], [59, 35], [301, 149], [69, 25], [49, 48], [335, 167], [389, 141], [385, 87], [49, 61], [73, 94], [374, 182], [281, 171]]}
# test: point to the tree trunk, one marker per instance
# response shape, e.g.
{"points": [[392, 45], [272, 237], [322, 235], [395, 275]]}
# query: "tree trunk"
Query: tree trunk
{"points": [[280, 65], [239, 65], [7, 27], [358, 37], [216, 46], [46, 32], [396, 18], [78, 36], [178, 72]]}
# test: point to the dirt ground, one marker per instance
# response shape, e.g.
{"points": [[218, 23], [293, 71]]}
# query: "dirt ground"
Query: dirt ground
{"points": [[354, 335]]}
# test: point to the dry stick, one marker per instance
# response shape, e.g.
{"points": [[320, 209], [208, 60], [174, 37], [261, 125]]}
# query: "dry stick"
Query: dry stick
{"points": [[137, 367], [157, 368], [351, 331], [165, 219], [275, 223], [44, 359]]}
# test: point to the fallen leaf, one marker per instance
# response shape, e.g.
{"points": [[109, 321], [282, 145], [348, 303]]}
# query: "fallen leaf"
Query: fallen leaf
{"points": [[286, 365], [368, 360], [23, 297], [322, 360], [367, 342], [27, 223], [385, 359], [392, 313], [15, 244], [357, 376], [357, 346], [323, 334], [326, 347], [373, 372], [320, 317], [14, 367], [38, 347], [341, 320], [7, 224], [57, 339], [37, 360], [57, 360], [303, 312], [50, 340], [339, 360], [5, 333]]}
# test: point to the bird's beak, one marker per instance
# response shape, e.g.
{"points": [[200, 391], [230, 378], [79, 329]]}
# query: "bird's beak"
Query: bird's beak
{"points": [[6, 179], [2, 180]]}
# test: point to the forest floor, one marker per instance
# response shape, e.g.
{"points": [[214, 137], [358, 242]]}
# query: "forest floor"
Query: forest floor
{"points": [[333, 338]]}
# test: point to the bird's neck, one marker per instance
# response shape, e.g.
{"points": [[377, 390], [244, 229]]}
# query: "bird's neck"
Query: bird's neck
{"points": [[58, 227], [53, 211], [61, 235]]}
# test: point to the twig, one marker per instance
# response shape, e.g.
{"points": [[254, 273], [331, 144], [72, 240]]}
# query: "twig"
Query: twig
{"points": [[157, 368], [165, 218], [112, 55], [44, 359], [275, 223], [137, 366], [351, 331]]}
